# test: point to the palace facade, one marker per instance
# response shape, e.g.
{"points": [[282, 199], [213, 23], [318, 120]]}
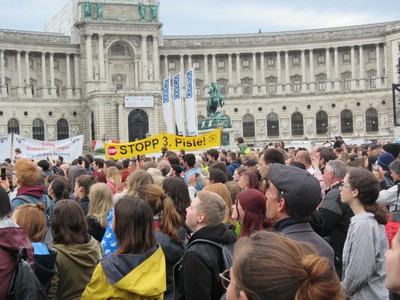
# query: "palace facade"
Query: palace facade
{"points": [[312, 84]]}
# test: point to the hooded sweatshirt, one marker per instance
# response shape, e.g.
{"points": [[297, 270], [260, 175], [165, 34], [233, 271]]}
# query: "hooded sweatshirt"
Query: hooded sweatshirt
{"points": [[129, 276], [74, 268]]}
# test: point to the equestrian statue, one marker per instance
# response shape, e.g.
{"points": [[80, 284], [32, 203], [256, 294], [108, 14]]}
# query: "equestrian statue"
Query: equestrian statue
{"points": [[214, 100]]}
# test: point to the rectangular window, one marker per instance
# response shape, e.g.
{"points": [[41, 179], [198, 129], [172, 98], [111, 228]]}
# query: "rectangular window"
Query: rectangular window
{"points": [[296, 61], [221, 64], [271, 62], [118, 87], [372, 82], [171, 65], [272, 88], [196, 65], [321, 59], [297, 86], [347, 84], [247, 89], [346, 57], [246, 63], [322, 85]]}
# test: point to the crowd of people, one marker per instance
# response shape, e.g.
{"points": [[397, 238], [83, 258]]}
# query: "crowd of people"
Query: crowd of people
{"points": [[303, 224]]}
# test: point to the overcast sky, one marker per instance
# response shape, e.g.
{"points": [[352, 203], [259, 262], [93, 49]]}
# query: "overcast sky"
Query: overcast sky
{"points": [[188, 17]]}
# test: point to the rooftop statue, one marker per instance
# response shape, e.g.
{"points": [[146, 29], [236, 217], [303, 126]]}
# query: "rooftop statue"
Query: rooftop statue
{"points": [[99, 10], [87, 7], [214, 100], [154, 14], [142, 12]]}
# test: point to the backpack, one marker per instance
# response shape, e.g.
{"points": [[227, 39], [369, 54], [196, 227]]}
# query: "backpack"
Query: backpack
{"points": [[393, 225], [24, 283], [48, 238], [227, 250]]}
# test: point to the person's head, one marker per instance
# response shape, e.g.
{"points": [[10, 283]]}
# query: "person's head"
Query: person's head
{"points": [[360, 187], [207, 209], [176, 189], [304, 157], [136, 179], [394, 168], [26, 172], [268, 157], [231, 156], [109, 163], [248, 180], [98, 164], [250, 209], [222, 190], [31, 217], [163, 209], [212, 155], [216, 175], [83, 184], [189, 160], [237, 173], [335, 170], [101, 202], [392, 148], [114, 175], [43, 164], [68, 224], [293, 270], [293, 193], [326, 154], [164, 166], [17, 151], [133, 225], [239, 140], [58, 189], [234, 189], [393, 265], [384, 160], [5, 204]]}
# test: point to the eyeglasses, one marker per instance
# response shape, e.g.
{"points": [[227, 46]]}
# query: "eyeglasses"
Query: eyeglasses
{"points": [[346, 187], [226, 279]]}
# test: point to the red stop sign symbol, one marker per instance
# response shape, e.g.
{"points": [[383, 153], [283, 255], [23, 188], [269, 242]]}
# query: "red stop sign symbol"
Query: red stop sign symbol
{"points": [[112, 151]]}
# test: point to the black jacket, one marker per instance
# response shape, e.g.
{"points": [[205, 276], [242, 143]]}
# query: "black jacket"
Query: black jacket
{"points": [[197, 274]]}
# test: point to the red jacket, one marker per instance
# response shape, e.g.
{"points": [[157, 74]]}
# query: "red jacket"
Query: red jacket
{"points": [[11, 238]]}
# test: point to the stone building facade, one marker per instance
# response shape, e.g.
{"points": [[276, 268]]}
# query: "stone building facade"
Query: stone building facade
{"points": [[311, 84]]}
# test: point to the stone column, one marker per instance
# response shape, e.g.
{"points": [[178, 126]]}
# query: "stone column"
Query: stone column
{"points": [[254, 67], [337, 79], [361, 76], [52, 86], [230, 83], [328, 70], [68, 74], [156, 61], [45, 90], [28, 88], [206, 83], [144, 58], [378, 68], [101, 57], [303, 72], [122, 130], [238, 81], [214, 67], [76, 76], [136, 74], [385, 64], [287, 75], [20, 90], [353, 68], [166, 71], [279, 72], [312, 77], [3, 87], [190, 64], [262, 82], [89, 63], [181, 65]]}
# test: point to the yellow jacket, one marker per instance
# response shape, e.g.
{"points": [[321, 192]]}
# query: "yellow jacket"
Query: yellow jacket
{"points": [[147, 279]]}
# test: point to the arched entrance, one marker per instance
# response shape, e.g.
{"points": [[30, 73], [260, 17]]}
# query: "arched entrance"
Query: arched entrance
{"points": [[138, 124]]}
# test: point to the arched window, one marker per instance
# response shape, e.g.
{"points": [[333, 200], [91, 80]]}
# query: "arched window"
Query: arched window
{"points": [[346, 121], [322, 122], [297, 124], [138, 124], [38, 130], [371, 117], [272, 124], [13, 126], [118, 50], [62, 129], [248, 126]]}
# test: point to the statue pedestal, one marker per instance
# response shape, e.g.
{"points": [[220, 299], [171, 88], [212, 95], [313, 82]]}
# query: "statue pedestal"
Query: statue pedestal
{"points": [[218, 120], [227, 138]]}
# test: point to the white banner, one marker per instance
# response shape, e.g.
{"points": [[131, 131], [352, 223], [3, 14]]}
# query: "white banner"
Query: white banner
{"points": [[178, 104], [5, 147], [69, 149], [190, 103], [139, 101], [166, 105]]}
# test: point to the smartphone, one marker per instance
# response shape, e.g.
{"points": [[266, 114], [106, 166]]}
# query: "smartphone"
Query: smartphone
{"points": [[80, 160], [3, 174]]}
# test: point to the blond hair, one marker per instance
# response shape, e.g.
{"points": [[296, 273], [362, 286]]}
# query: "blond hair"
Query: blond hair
{"points": [[100, 203]]}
